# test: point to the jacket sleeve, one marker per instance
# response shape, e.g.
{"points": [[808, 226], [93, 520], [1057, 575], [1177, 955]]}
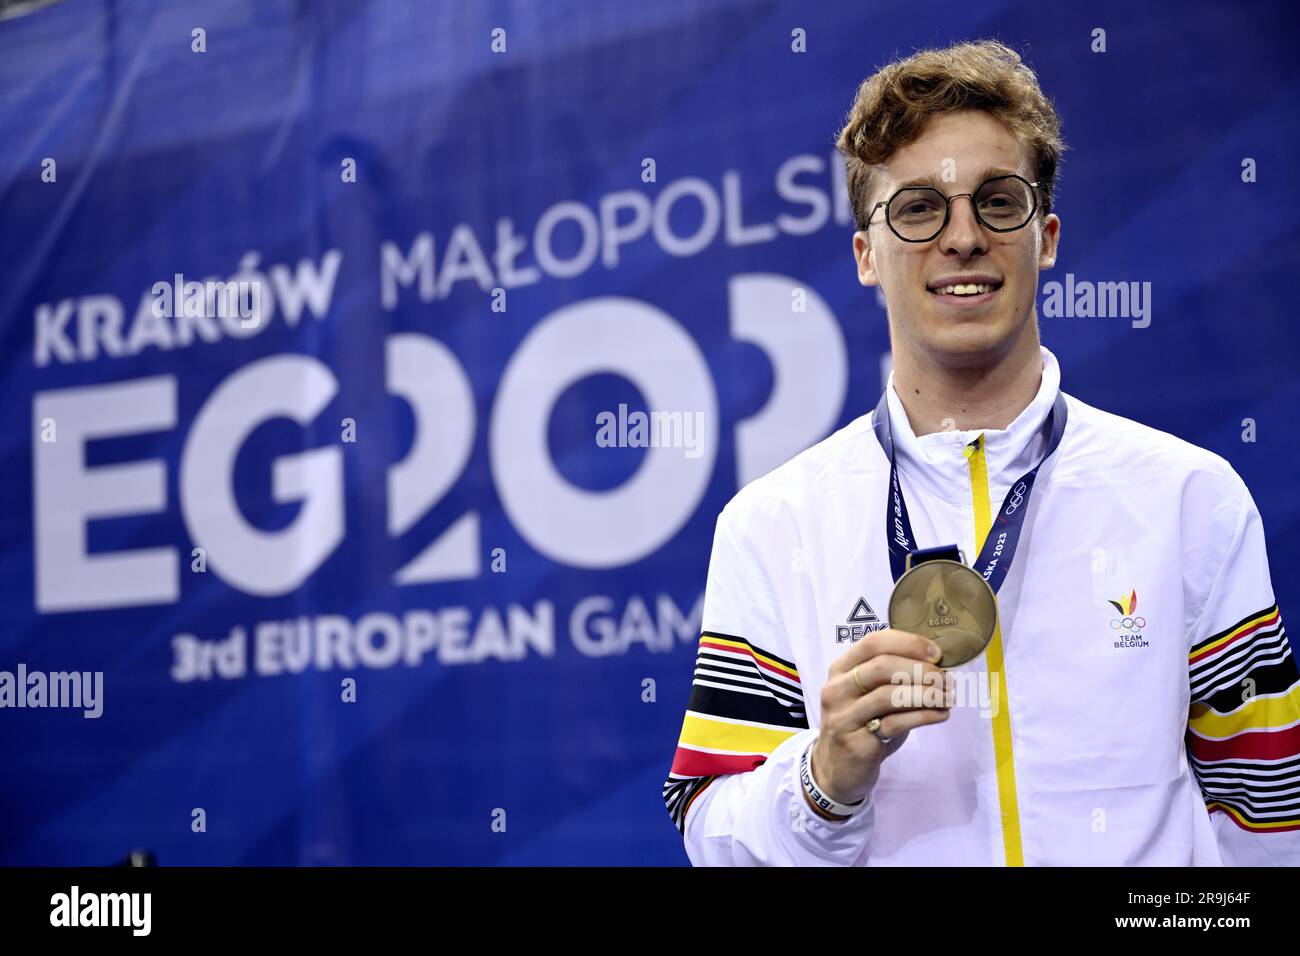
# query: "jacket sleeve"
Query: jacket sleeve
{"points": [[1243, 729], [734, 790]]}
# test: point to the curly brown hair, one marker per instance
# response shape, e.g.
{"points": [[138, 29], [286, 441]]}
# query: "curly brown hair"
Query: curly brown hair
{"points": [[894, 104]]}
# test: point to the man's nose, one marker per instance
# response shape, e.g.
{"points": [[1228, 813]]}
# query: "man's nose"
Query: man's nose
{"points": [[963, 236]]}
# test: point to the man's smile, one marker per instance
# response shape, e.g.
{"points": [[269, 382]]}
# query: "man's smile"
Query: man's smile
{"points": [[966, 291]]}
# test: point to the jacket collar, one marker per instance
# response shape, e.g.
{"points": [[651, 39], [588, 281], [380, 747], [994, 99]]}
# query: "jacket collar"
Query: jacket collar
{"points": [[937, 463]]}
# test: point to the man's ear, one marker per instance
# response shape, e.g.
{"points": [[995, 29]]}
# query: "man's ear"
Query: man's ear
{"points": [[864, 255], [1051, 233]]}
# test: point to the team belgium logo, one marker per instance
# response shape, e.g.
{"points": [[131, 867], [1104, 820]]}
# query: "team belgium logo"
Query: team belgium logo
{"points": [[1129, 624]]}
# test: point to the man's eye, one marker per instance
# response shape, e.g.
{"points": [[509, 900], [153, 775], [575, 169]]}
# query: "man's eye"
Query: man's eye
{"points": [[1004, 201], [919, 208]]}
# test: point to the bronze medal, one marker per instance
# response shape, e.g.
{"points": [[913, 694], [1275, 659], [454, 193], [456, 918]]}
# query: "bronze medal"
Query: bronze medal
{"points": [[950, 604]]}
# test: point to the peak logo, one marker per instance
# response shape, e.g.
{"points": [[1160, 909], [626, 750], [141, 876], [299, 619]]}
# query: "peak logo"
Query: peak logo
{"points": [[862, 620]]}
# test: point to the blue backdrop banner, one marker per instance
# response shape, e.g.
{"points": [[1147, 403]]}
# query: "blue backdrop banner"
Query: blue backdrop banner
{"points": [[374, 374]]}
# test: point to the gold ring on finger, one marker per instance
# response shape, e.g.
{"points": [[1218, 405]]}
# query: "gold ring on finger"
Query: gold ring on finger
{"points": [[854, 672], [873, 725]]}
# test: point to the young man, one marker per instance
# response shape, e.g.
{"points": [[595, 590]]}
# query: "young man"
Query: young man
{"points": [[1137, 702]]}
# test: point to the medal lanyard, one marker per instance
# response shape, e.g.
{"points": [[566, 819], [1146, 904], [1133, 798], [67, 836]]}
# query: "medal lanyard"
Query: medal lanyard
{"points": [[1000, 544]]}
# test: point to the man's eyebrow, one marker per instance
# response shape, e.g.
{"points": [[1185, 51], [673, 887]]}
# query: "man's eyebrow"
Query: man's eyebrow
{"points": [[933, 181]]}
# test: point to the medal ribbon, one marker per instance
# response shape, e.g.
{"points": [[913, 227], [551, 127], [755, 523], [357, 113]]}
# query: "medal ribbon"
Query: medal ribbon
{"points": [[994, 559]]}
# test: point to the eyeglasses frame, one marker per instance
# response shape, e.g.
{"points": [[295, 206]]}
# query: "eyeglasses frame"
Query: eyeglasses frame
{"points": [[947, 209]]}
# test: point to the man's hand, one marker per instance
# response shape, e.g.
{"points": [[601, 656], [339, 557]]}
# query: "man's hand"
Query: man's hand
{"points": [[903, 687]]}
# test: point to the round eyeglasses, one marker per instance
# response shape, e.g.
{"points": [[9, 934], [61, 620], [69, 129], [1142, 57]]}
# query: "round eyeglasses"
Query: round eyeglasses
{"points": [[919, 213]]}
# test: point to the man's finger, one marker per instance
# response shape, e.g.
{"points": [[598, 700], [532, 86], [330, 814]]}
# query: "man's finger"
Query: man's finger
{"points": [[894, 699], [882, 701], [894, 725], [888, 641], [883, 669]]}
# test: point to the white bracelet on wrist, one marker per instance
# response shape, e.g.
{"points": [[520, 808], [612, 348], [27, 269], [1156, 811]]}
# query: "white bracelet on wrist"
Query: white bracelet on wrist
{"points": [[818, 796]]}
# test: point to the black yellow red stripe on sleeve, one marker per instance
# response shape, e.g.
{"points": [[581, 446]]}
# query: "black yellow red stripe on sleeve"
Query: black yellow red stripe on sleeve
{"points": [[744, 702], [1243, 729]]}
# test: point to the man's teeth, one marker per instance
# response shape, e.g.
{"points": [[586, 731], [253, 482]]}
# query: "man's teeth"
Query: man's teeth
{"points": [[974, 289]]}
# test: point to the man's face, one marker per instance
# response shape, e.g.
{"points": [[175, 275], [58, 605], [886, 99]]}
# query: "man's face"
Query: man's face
{"points": [[961, 331]]}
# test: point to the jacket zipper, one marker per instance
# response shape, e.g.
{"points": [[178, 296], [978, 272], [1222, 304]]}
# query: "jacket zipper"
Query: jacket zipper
{"points": [[1002, 750]]}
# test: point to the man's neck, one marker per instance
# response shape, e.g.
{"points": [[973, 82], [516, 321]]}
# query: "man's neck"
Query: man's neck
{"points": [[940, 396]]}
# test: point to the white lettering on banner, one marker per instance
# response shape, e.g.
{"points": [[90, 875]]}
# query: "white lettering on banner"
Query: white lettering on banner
{"points": [[601, 234], [509, 247], [612, 234], [85, 328], [306, 286], [448, 636], [819, 207], [426, 374], [589, 530], [552, 264], [67, 494], [738, 234], [263, 562], [566, 523], [569, 524], [100, 319], [99, 324], [465, 260], [597, 631], [377, 641], [810, 366], [396, 269], [597, 529], [51, 338], [710, 206]]}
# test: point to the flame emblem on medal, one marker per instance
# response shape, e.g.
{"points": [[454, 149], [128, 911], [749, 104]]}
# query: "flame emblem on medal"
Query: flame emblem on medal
{"points": [[950, 604]]}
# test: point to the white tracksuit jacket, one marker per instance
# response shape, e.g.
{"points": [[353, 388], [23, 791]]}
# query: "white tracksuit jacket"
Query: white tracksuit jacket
{"points": [[1139, 705]]}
